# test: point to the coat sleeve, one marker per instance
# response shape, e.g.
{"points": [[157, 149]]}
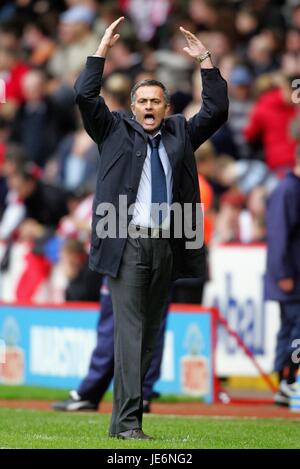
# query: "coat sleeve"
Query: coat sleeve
{"points": [[280, 224], [97, 118], [214, 109]]}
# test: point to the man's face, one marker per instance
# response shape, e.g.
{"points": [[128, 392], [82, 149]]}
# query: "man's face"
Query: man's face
{"points": [[149, 107]]}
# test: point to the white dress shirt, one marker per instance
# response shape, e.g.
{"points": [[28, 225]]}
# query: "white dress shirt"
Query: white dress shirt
{"points": [[142, 208]]}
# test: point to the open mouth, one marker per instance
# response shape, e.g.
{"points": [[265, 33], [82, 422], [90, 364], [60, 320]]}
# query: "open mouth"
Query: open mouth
{"points": [[149, 119]]}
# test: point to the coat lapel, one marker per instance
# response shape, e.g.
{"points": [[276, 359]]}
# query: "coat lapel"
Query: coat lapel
{"points": [[136, 126], [171, 147], [169, 140], [140, 144]]}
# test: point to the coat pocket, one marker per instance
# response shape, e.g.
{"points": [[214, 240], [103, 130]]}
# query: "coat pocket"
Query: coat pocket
{"points": [[111, 163]]}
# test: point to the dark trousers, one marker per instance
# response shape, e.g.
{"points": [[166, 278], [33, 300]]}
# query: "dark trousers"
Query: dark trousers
{"points": [[101, 368], [288, 332], [139, 296]]}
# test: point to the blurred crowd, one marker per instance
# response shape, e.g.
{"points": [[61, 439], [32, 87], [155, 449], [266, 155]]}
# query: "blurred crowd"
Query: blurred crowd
{"points": [[47, 161]]}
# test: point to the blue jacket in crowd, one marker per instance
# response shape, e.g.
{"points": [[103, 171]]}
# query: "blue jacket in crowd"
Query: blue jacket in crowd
{"points": [[283, 239]]}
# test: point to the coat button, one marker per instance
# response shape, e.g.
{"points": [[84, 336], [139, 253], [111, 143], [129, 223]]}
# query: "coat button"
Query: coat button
{"points": [[138, 153]]}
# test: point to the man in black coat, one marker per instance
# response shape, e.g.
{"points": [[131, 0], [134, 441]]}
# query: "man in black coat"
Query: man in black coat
{"points": [[146, 162]]}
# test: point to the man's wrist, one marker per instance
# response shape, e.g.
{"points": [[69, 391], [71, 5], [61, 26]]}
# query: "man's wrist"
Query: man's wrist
{"points": [[201, 57], [101, 52]]}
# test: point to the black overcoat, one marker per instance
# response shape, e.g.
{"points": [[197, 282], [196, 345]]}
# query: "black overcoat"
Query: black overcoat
{"points": [[122, 146]]}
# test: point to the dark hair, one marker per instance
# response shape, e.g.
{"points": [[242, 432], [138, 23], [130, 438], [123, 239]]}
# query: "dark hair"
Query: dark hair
{"points": [[12, 26], [40, 26], [150, 83]]}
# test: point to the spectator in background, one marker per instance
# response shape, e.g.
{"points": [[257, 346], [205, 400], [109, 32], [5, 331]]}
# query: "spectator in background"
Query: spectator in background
{"points": [[213, 15], [252, 224], [4, 132], [292, 41], [27, 10], [37, 43], [227, 223], [247, 26], [246, 175], [222, 140], [76, 158], [148, 16], [241, 101], [116, 89], [39, 122], [172, 66], [12, 209], [227, 62], [283, 275], [253, 180], [218, 42], [268, 13], [77, 39], [7, 9], [45, 204], [209, 165], [11, 35], [269, 124], [265, 82], [125, 59], [261, 54], [77, 223], [12, 217], [12, 71], [71, 279], [14, 159], [295, 16]]}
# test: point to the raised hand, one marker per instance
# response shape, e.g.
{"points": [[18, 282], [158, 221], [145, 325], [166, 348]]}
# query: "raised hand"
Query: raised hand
{"points": [[195, 48], [110, 38]]}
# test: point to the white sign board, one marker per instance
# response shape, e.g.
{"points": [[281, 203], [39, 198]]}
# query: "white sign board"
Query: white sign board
{"points": [[237, 290]]}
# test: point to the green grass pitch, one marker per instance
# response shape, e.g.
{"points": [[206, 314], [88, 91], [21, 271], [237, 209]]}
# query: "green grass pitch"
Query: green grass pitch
{"points": [[21, 428], [38, 429]]}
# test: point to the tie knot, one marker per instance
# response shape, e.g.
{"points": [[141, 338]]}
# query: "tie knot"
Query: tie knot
{"points": [[154, 142]]}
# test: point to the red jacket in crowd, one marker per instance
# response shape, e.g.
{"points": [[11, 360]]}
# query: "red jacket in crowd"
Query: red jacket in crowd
{"points": [[270, 122], [14, 90]]}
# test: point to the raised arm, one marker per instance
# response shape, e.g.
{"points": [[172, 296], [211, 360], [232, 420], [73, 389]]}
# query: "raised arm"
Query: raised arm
{"points": [[214, 110], [97, 118]]}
